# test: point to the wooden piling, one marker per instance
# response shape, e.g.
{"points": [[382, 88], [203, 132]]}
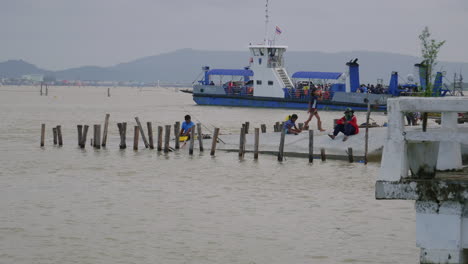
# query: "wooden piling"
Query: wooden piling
{"points": [[97, 137], [150, 135], [104, 134], [200, 137], [424, 122], [80, 133], [247, 125], [350, 155], [160, 138], [46, 90], [123, 135], [192, 141], [176, 134], [42, 134], [54, 132], [59, 135], [334, 122], [323, 155], [311, 146], [263, 127], [83, 137], [41, 90], [135, 137], [108, 92], [256, 142], [277, 127], [281, 146], [142, 132], [167, 137], [242, 142], [215, 140], [366, 143]]}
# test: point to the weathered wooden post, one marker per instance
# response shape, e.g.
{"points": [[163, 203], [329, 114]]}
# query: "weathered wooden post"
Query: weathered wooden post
{"points": [[323, 155], [108, 92], [257, 142], [104, 134], [97, 137], [80, 133], [54, 132], [160, 137], [142, 132], [277, 127], [263, 127], [59, 135], [42, 134], [281, 146], [192, 141], [424, 121], [176, 134], [41, 89], [311, 146], [46, 90], [242, 142], [167, 137], [215, 140], [135, 138], [247, 125], [366, 146], [83, 137], [334, 122], [200, 137], [150, 135], [350, 155], [123, 135]]}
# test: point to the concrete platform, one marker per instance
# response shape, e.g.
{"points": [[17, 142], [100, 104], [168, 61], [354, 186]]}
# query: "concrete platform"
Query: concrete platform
{"points": [[298, 145]]}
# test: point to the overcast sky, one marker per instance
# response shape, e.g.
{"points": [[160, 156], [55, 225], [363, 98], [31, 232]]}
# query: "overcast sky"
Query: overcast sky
{"points": [[58, 34]]}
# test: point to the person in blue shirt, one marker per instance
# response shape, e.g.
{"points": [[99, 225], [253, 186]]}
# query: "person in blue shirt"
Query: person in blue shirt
{"points": [[187, 126], [290, 125]]}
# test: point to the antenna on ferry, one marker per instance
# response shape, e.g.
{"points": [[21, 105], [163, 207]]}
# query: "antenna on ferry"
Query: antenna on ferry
{"points": [[266, 23]]}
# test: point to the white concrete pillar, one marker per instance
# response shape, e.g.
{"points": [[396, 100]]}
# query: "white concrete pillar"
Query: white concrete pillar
{"points": [[439, 231], [394, 165], [450, 157]]}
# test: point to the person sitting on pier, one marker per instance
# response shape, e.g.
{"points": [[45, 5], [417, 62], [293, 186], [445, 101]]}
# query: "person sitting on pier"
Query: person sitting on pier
{"points": [[346, 125], [186, 127], [290, 125]]}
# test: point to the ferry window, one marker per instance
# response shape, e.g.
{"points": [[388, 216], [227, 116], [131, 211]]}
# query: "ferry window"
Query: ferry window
{"points": [[255, 52], [270, 82], [259, 82], [261, 52]]}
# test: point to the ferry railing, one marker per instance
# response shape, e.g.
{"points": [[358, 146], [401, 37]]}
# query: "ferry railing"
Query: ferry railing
{"points": [[238, 90]]}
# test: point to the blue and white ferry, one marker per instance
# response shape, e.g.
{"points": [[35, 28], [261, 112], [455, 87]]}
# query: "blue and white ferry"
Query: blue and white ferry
{"points": [[266, 83]]}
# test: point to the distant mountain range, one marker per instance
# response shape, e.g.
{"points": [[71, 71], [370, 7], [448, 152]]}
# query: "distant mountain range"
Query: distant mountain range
{"points": [[183, 66]]}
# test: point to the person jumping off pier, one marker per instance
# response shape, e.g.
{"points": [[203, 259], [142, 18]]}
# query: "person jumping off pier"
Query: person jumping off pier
{"points": [[290, 125], [346, 125], [312, 110]]}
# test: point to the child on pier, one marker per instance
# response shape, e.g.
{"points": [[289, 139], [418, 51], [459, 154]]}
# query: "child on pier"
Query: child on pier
{"points": [[186, 127], [346, 125], [290, 125], [314, 93]]}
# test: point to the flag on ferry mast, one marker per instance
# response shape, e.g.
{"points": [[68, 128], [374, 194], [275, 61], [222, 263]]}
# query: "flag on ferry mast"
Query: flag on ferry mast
{"points": [[278, 30]]}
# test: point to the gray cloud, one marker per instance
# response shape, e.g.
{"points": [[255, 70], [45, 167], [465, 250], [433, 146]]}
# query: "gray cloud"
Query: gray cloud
{"points": [[64, 33]]}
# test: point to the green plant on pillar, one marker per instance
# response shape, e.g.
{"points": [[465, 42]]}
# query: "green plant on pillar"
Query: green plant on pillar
{"points": [[429, 51]]}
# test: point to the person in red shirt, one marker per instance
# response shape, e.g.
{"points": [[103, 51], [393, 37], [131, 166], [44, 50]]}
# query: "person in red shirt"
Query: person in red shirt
{"points": [[346, 125]]}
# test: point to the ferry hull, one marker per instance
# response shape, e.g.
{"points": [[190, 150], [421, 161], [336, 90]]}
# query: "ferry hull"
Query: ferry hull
{"points": [[266, 102]]}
